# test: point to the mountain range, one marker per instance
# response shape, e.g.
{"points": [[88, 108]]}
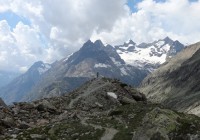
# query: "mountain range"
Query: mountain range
{"points": [[47, 80]]}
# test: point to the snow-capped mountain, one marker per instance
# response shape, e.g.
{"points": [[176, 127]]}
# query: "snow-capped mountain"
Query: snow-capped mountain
{"points": [[149, 55]]}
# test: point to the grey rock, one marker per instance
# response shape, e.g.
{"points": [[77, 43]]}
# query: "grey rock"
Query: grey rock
{"points": [[44, 105], [125, 100], [2, 103], [8, 122]]}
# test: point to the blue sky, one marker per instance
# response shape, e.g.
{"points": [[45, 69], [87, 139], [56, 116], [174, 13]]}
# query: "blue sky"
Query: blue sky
{"points": [[13, 19], [132, 3]]}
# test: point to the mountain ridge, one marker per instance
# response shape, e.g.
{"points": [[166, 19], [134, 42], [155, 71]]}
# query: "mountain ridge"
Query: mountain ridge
{"points": [[176, 82]]}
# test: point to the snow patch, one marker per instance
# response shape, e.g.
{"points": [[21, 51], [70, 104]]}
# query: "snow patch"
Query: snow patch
{"points": [[160, 43], [166, 48], [130, 45], [44, 68], [143, 55], [67, 57], [123, 71], [101, 65], [117, 63], [112, 94]]}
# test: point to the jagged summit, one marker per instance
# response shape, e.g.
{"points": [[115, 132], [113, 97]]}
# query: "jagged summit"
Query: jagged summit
{"points": [[39, 67], [99, 43], [129, 43], [168, 40]]}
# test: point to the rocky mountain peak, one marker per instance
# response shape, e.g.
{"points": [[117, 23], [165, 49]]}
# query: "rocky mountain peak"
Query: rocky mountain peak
{"points": [[129, 43], [39, 67], [168, 40], [98, 43], [36, 65]]}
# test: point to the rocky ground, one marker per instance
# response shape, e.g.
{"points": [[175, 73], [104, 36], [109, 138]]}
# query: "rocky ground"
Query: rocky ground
{"points": [[102, 109]]}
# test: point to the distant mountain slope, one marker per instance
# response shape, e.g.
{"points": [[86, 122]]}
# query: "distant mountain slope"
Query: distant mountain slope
{"points": [[101, 109], [6, 77], [149, 55], [176, 83], [19, 87]]}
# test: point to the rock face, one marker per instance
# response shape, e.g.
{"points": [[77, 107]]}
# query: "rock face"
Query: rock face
{"points": [[100, 109], [176, 83]]}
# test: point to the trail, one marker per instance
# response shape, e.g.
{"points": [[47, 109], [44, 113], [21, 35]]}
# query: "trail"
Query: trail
{"points": [[86, 93], [108, 134]]}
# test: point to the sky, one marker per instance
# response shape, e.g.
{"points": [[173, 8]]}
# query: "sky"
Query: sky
{"points": [[49, 30]]}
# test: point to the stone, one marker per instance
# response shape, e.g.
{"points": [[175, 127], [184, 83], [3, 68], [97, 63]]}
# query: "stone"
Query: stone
{"points": [[139, 96], [2, 103], [16, 110], [42, 122], [36, 136], [46, 106], [125, 100], [8, 122], [23, 125], [98, 105]]}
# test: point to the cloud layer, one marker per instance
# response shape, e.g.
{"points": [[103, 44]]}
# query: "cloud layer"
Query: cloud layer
{"points": [[58, 28]]}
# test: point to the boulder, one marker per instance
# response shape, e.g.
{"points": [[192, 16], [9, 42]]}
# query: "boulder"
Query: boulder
{"points": [[8, 122], [2, 103], [125, 100], [44, 105]]}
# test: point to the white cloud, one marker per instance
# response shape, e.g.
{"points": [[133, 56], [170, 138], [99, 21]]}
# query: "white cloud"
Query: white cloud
{"points": [[20, 47], [59, 27], [178, 19]]}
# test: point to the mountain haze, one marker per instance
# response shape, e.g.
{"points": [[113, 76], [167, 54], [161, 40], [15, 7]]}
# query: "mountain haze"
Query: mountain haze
{"points": [[19, 87]]}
